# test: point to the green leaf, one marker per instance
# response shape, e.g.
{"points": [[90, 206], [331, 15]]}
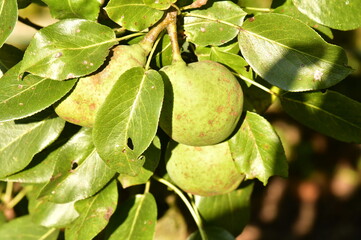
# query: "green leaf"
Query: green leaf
{"points": [[214, 25], [23, 228], [213, 233], [342, 15], [68, 49], [79, 172], [294, 57], [133, 15], [22, 139], [22, 98], [127, 122], [87, 9], [152, 157], [9, 56], [139, 216], [163, 54], [257, 149], [159, 4], [330, 113], [8, 18], [230, 211], [94, 214], [289, 9]]}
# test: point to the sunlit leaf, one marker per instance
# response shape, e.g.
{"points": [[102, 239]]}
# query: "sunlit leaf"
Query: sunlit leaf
{"points": [[257, 149], [68, 49], [159, 4], [87, 9], [8, 18], [342, 15], [209, 25], [294, 57], [127, 122], [330, 113], [213, 233]]}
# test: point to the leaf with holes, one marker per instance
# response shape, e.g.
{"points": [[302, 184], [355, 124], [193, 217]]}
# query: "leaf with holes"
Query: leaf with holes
{"points": [[330, 113], [22, 139], [22, 98], [95, 213], [133, 15], [23, 228], [87, 9], [342, 15], [138, 218], [295, 57], [214, 25], [68, 49], [127, 122], [79, 172], [257, 149], [8, 18]]}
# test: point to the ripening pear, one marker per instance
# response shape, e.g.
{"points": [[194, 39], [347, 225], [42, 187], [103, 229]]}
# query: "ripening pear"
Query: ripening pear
{"points": [[81, 105], [203, 102], [205, 171]]}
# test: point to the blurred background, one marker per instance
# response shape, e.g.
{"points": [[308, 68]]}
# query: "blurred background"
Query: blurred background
{"points": [[321, 199]]}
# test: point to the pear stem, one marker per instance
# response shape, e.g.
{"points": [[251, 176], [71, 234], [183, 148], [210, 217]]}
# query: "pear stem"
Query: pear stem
{"points": [[147, 65], [191, 209], [173, 35]]}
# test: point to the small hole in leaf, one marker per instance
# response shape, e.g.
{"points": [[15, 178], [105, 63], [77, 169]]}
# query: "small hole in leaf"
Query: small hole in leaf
{"points": [[74, 165], [130, 144], [142, 157]]}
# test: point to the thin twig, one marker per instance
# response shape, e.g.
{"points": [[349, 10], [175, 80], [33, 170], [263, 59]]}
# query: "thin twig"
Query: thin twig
{"points": [[29, 23]]}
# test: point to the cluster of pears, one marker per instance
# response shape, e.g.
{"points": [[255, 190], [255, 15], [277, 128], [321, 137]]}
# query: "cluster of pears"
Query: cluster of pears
{"points": [[202, 106]]}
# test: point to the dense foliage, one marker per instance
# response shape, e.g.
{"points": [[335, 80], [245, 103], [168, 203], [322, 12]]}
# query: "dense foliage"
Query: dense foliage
{"points": [[121, 102]]}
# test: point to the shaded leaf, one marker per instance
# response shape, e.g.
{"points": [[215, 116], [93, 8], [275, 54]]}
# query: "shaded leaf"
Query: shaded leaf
{"points": [[87, 9], [294, 57], [230, 211], [127, 122], [257, 149], [8, 18], [9, 56], [330, 113], [159, 4], [94, 214], [152, 157], [163, 54], [342, 15], [213, 233], [79, 172], [68, 49], [22, 98], [133, 15], [206, 27], [23, 228], [22, 139], [139, 218]]}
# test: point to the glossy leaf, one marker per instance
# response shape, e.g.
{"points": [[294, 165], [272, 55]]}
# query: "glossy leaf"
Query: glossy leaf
{"points": [[152, 157], [289, 9], [68, 49], [230, 211], [139, 218], [127, 122], [213, 233], [8, 18], [22, 98], [87, 9], [159, 4], [330, 113], [95, 213], [294, 57], [79, 172], [342, 15], [9, 56], [21, 140], [23, 228], [133, 15], [209, 25], [257, 149]]}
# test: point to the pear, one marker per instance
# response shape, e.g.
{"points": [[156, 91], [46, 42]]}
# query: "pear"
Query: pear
{"points": [[203, 102], [204, 171], [82, 104]]}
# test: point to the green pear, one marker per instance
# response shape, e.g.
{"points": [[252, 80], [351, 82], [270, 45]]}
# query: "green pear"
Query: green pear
{"points": [[203, 102], [81, 105], [205, 171]]}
